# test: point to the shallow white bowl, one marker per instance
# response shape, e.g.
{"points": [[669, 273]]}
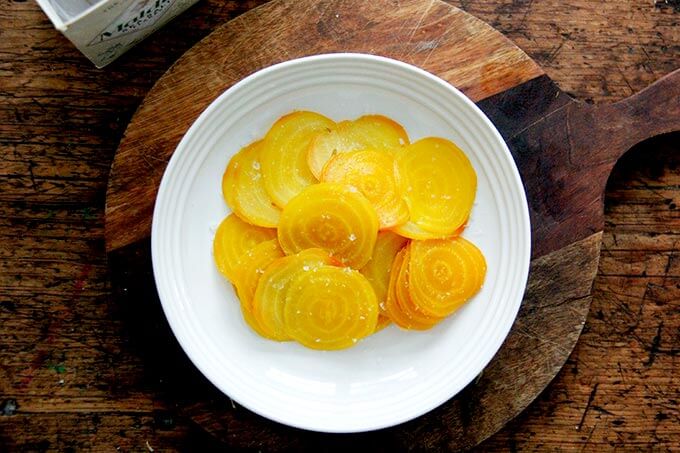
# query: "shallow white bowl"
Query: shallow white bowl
{"points": [[395, 375]]}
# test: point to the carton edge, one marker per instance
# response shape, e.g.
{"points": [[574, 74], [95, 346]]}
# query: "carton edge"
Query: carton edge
{"points": [[46, 6]]}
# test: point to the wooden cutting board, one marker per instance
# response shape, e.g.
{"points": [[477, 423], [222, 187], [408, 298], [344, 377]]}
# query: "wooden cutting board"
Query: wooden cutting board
{"points": [[564, 149]]}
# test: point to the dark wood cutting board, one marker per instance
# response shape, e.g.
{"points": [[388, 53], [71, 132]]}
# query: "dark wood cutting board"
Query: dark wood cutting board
{"points": [[564, 149]]}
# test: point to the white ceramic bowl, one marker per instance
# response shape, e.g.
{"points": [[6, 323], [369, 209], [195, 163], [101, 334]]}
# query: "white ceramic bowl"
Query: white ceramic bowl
{"points": [[390, 377]]}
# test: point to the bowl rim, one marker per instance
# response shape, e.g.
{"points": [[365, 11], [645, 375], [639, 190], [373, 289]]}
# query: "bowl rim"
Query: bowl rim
{"points": [[524, 218]]}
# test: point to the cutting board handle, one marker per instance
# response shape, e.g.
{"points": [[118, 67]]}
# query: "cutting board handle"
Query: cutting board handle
{"points": [[615, 128]]}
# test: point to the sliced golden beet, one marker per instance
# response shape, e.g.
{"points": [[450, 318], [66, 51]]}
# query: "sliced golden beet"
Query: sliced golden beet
{"points": [[412, 231], [419, 320], [400, 307], [392, 308], [233, 239], [439, 184], [372, 172], [330, 308], [243, 188], [377, 270], [272, 289], [444, 274], [367, 132], [383, 321], [284, 154], [254, 324], [334, 217], [252, 266]]}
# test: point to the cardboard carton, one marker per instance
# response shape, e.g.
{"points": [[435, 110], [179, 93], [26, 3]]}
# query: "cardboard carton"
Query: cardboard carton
{"points": [[104, 30]]}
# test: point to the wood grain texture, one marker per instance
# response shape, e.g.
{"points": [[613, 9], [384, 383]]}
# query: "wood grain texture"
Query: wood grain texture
{"points": [[565, 149], [619, 389], [557, 300], [61, 121], [526, 362], [562, 148], [444, 40], [596, 51]]}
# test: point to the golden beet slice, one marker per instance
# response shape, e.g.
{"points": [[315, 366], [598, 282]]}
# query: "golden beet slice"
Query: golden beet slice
{"points": [[400, 307], [439, 184], [444, 274], [333, 217], [377, 270], [393, 308], [272, 289], [367, 132], [249, 318], [372, 172], [233, 239], [383, 321], [284, 154], [330, 308], [412, 231], [252, 266], [243, 188]]}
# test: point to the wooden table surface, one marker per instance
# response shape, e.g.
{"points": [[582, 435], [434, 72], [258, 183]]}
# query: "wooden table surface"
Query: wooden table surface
{"points": [[76, 372]]}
